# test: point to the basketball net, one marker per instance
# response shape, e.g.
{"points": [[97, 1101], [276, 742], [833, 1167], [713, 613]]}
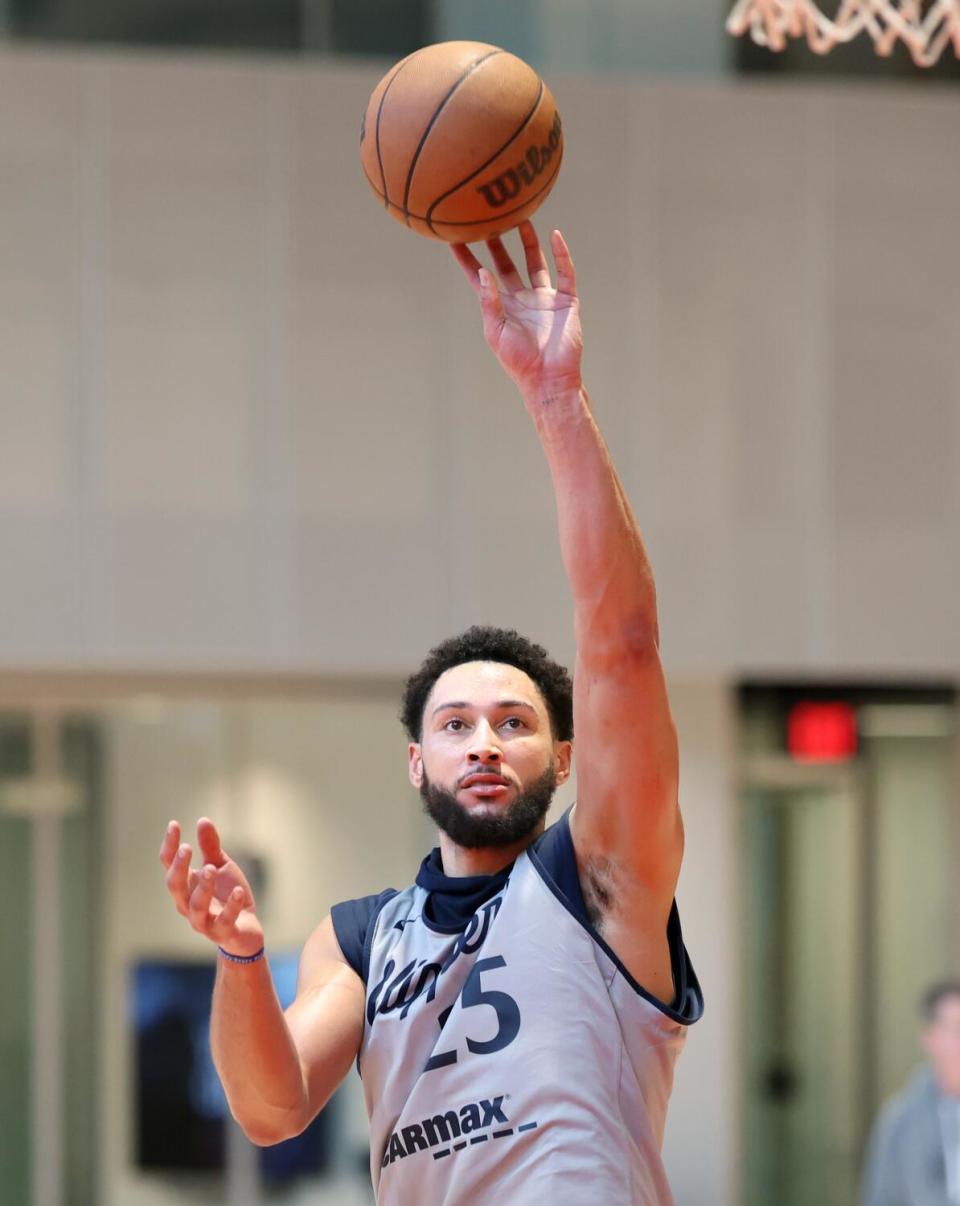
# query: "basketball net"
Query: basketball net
{"points": [[771, 22]]}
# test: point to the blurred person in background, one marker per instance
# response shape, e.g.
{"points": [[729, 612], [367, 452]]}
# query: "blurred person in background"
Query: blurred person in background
{"points": [[914, 1154]]}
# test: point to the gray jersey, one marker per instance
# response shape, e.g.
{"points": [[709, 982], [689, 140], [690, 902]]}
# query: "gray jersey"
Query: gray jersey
{"points": [[516, 1061]]}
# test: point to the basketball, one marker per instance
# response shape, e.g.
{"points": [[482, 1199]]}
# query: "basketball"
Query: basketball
{"points": [[461, 141]]}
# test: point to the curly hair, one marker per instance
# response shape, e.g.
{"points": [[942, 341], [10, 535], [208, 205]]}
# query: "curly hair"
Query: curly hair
{"points": [[481, 644]]}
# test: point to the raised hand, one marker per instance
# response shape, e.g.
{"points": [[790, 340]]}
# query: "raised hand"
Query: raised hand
{"points": [[534, 330], [216, 900]]}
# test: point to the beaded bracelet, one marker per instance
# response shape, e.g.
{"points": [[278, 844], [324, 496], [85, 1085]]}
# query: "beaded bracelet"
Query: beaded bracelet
{"points": [[241, 958]]}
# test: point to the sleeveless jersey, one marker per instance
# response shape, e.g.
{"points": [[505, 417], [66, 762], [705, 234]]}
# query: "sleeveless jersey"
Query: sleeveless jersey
{"points": [[515, 1061]]}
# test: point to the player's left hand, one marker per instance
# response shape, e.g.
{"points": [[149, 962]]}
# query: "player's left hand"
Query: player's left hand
{"points": [[534, 330]]}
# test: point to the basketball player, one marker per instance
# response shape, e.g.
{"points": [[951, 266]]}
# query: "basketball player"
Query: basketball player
{"points": [[517, 1012]]}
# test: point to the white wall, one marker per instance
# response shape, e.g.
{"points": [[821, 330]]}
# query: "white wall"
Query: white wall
{"points": [[241, 410]]}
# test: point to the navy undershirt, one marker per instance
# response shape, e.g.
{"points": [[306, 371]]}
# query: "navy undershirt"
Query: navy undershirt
{"points": [[454, 899]]}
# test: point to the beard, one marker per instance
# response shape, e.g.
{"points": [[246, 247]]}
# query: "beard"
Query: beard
{"points": [[503, 828]]}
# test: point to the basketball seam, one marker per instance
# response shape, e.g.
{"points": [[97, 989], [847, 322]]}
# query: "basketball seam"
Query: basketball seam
{"points": [[383, 174], [430, 124], [475, 221], [483, 166]]}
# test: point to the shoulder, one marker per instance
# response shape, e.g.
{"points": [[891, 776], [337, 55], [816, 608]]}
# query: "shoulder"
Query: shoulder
{"points": [[920, 1092], [353, 923], [554, 857], [915, 1105]]}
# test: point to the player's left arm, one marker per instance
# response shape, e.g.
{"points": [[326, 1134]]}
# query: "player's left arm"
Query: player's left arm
{"points": [[627, 829]]}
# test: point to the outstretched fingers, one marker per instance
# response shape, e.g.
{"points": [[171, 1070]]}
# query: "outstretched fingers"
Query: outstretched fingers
{"points": [[470, 264], [180, 879], [200, 897], [510, 277], [206, 914], [170, 844], [536, 261], [484, 284], [226, 919], [210, 897], [566, 276], [209, 840]]}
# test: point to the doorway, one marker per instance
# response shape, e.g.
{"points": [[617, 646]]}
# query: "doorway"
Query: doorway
{"points": [[846, 905]]}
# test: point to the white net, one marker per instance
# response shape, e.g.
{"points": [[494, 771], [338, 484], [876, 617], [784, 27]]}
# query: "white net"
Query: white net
{"points": [[925, 28]]}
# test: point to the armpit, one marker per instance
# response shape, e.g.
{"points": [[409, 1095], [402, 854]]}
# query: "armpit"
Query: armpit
{"points": [[599, 883]]}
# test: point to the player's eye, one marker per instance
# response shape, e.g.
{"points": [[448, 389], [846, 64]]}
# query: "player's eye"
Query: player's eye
{"points": [[454, 725], [513, 722]]}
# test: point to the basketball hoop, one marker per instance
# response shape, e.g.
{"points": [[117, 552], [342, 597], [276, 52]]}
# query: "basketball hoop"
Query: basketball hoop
{"points": [[771, 22]]}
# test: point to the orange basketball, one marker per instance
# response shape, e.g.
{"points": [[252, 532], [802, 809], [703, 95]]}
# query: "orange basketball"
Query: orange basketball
{"points": [[461, 141]]}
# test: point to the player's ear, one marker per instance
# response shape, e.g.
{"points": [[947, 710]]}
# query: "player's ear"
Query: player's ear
{"points": [[415, 764], [563, 760]]}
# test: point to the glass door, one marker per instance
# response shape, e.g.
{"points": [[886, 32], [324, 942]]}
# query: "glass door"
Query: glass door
{"points": [[803, 962]]}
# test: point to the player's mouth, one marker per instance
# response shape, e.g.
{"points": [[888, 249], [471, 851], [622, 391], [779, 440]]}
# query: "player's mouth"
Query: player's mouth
{"points": [[486, 786]]}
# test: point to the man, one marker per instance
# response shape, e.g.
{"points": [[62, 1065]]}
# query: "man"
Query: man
{"points": [[517, 1012], [914, 1157]]}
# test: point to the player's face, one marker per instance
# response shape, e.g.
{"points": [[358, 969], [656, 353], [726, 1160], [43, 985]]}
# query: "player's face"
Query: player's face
{"points": [[487, 764], [941, 1039]]}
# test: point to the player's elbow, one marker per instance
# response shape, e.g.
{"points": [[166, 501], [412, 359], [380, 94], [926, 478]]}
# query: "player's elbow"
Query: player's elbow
{"points": [[619, 645], [266, 1132], [263, 1136], [640, 635]]}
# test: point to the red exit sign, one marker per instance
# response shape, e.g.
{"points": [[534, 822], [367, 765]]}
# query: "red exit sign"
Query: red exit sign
{"points": [[822, 732]]}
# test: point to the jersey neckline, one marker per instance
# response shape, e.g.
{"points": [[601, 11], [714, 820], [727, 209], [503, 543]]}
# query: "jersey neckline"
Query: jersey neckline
{"points": [[453, 899]]}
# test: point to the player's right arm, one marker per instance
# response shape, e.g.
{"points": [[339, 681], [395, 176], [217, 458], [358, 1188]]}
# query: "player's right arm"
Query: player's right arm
{"points": [[278, 1069]]}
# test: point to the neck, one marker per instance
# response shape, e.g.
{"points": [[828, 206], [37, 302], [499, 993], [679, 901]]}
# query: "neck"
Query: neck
{"points": [[461, 861]]}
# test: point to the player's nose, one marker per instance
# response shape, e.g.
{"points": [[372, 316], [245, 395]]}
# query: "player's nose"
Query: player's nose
{"points": [[484, 747]]}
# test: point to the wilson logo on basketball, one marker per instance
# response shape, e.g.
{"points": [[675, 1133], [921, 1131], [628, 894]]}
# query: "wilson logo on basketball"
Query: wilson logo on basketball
{"points": [[508, 184]]}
